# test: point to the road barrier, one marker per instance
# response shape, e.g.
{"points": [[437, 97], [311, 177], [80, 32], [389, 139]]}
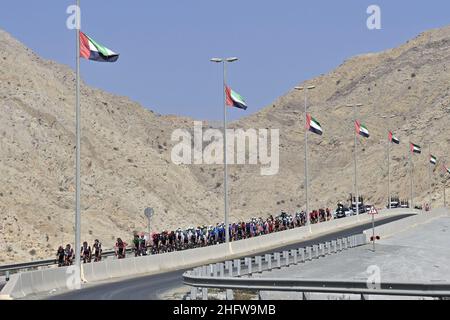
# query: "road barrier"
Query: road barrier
{"points": [[201, 275], [306, 286], [56, 278]]}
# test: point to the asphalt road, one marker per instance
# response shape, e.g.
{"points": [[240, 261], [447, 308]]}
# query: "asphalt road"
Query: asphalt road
{"points": [[151, 287]]}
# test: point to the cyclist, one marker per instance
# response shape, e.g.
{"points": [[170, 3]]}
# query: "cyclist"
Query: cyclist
{"points": [[142, 245], [60, 254], [97, 247], [136, 245], [120, 249], [86, 253], [68, 255]]}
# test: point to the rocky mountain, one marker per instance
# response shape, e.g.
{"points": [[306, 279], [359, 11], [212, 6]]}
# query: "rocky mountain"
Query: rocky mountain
{"points": [[126, 149]]}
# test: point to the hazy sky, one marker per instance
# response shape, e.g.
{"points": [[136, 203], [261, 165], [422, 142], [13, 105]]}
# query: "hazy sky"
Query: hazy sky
{"points": [[165, 45]]}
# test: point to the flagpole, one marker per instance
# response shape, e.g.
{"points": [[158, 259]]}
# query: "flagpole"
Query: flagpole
{"points": [[356, 177], [429, 175], [411, 176], [389, 170], [308, 221], [78, 143], [306, 162]]}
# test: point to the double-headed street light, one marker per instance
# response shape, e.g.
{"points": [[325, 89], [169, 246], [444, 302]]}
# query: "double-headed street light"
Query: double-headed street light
{"points": [[306, 153], [224, 61]]}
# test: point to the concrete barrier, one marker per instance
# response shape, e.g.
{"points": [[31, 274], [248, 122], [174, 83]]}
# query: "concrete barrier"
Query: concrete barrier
{"points": [[44, 280]]}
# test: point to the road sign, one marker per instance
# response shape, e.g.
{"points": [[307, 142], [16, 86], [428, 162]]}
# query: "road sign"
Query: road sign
{"points": [[148, 212], [373, 210]]}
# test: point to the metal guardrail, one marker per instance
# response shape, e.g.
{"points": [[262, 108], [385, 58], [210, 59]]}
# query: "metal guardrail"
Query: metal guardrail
{"points": [[227, 275], [236, 274], [43, 263], [321, 286]]}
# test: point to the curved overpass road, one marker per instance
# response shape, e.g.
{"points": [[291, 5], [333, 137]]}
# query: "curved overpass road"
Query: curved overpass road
{"points": [[152, 286]]}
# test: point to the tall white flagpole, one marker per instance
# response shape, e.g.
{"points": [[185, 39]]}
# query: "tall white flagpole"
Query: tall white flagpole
{"points": [[389, 170], [429, 175], [78, 160], [356, 173], [411, 173], [308, 222]]}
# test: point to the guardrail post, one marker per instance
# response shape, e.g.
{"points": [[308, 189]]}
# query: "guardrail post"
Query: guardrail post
{"points": [[229, 294], [7, 276], [294, 256], [302, 254], [268, 258], [203, 271], [334, 246], [278, 259], [316, 251], [229, 266], [248, 262], [309, 253], [286, 258], [221, 270], [193, 293], [362, 238], [327, 248], [215, 270], [205, 293], [237, 265], [258, 260], [322, 250], [345, 243], [339, 243]]}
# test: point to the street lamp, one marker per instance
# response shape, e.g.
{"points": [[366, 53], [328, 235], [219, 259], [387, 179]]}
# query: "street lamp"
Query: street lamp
{"points": [[224, 61], [306, 153]]}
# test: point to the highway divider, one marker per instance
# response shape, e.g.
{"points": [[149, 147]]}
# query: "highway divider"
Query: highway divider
{"points": [[32, 282]]}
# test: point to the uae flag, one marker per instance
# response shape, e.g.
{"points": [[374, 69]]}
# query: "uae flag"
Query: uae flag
{"points": [[361, 129], [234, 99], [313, 125], [433, 159], [393, 138], [445, 168], [91, 50], [415, 148]]}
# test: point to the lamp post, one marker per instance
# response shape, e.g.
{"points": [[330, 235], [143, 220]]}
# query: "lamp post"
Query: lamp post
{"points": [[308, 222], [224, 61]]}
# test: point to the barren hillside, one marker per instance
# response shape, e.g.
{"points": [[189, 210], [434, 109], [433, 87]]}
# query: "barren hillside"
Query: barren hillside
{"points": [[126, 148]]}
